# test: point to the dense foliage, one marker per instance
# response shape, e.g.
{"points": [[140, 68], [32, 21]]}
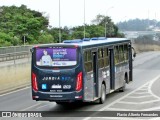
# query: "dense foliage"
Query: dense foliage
{"points": [[17, 22]]}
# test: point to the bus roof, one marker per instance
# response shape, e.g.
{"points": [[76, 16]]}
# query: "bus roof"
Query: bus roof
{"points": [[87, 43]]}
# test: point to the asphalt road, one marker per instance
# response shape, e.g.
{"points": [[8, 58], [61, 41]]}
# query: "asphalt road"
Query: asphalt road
{"points": [[142, 94]]}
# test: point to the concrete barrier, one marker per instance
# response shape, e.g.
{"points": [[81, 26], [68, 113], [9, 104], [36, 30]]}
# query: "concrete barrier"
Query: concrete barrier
{"points": [[14, 76]]}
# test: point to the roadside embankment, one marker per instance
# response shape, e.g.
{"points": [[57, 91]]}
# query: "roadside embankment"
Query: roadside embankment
{"points": [[14, 76], [145, 48]]}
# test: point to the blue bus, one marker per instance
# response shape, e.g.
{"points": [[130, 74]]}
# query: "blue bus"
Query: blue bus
{"points": [[81, 70]]}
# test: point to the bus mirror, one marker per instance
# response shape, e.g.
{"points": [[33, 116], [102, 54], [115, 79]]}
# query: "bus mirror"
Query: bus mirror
{"points": [[134, 54]]}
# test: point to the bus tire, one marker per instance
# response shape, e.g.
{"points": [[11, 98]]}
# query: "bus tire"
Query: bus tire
{"points": [[103, 94]]}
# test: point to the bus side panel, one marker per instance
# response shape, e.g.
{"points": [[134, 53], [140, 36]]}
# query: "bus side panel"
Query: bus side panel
{"points": [[100, 80], [105, 73], [88, 81], [123, 69], [88, 87], [117, 76]]}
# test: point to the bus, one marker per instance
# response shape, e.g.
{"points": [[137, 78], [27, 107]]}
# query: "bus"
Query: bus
{"points": [[81, 70]]}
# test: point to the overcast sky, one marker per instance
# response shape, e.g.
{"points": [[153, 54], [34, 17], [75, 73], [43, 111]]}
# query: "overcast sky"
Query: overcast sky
{"points": [[72, 11]]}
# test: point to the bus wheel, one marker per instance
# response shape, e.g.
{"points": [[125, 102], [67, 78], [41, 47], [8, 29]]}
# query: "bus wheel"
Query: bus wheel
{"points": [[103, 94]]}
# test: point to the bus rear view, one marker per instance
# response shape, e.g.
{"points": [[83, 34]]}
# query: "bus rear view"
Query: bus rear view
{"points": [[79, 70], [56, 75]]}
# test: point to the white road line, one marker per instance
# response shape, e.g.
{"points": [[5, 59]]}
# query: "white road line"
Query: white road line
{"points": [[30, 107], [15, 91], [140, 96], [146, 88], [150, 86], [125, 102], [137, 103], [102, 109], [140, 93], [41, 106]]}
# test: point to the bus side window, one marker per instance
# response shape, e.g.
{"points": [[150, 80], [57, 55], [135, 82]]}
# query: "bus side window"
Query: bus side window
{"points": [[88, 61], [116, 54], [100, 58], [89, 55], [85, 56], [106, 61], [121, 53], [126, 52]]}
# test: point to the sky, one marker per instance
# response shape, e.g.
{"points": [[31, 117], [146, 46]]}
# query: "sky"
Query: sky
{"points": [[72, 11]]}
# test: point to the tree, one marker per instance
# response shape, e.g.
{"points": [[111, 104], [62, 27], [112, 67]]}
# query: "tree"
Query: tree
{"points": [[21, 21], [45, 38], [105, 21]]}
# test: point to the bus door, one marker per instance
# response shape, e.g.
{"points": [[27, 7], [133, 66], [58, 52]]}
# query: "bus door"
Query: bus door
{"points": [[95, 73], [112, 69]]}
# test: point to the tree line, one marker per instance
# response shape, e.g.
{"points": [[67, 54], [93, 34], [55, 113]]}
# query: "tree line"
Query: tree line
{"points": [[17, 22], [138, 25]]}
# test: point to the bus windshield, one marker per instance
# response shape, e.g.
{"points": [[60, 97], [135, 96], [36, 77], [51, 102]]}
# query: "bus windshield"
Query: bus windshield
{"points": [[56, 56]]}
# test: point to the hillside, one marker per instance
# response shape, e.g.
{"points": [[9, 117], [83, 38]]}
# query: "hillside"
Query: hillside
{"points": [[139, 25]]}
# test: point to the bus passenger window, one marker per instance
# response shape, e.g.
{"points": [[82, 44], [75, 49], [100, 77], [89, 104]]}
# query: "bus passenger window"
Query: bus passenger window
{"points": [[89, 55], [100, 58], [88, 61], [116, 54], [126, 52], [88, 66], [121, 53], [85, 56], [100, 53], [106, 62]]}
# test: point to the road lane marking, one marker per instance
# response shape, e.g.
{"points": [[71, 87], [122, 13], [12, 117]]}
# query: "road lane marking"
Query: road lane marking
{"points": [[140, 96], [15, 91], [150, 91], [42, 106], [31, 107], [148, 101], [146, 88], [49, 105], [118, 100], [140, 93]]}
